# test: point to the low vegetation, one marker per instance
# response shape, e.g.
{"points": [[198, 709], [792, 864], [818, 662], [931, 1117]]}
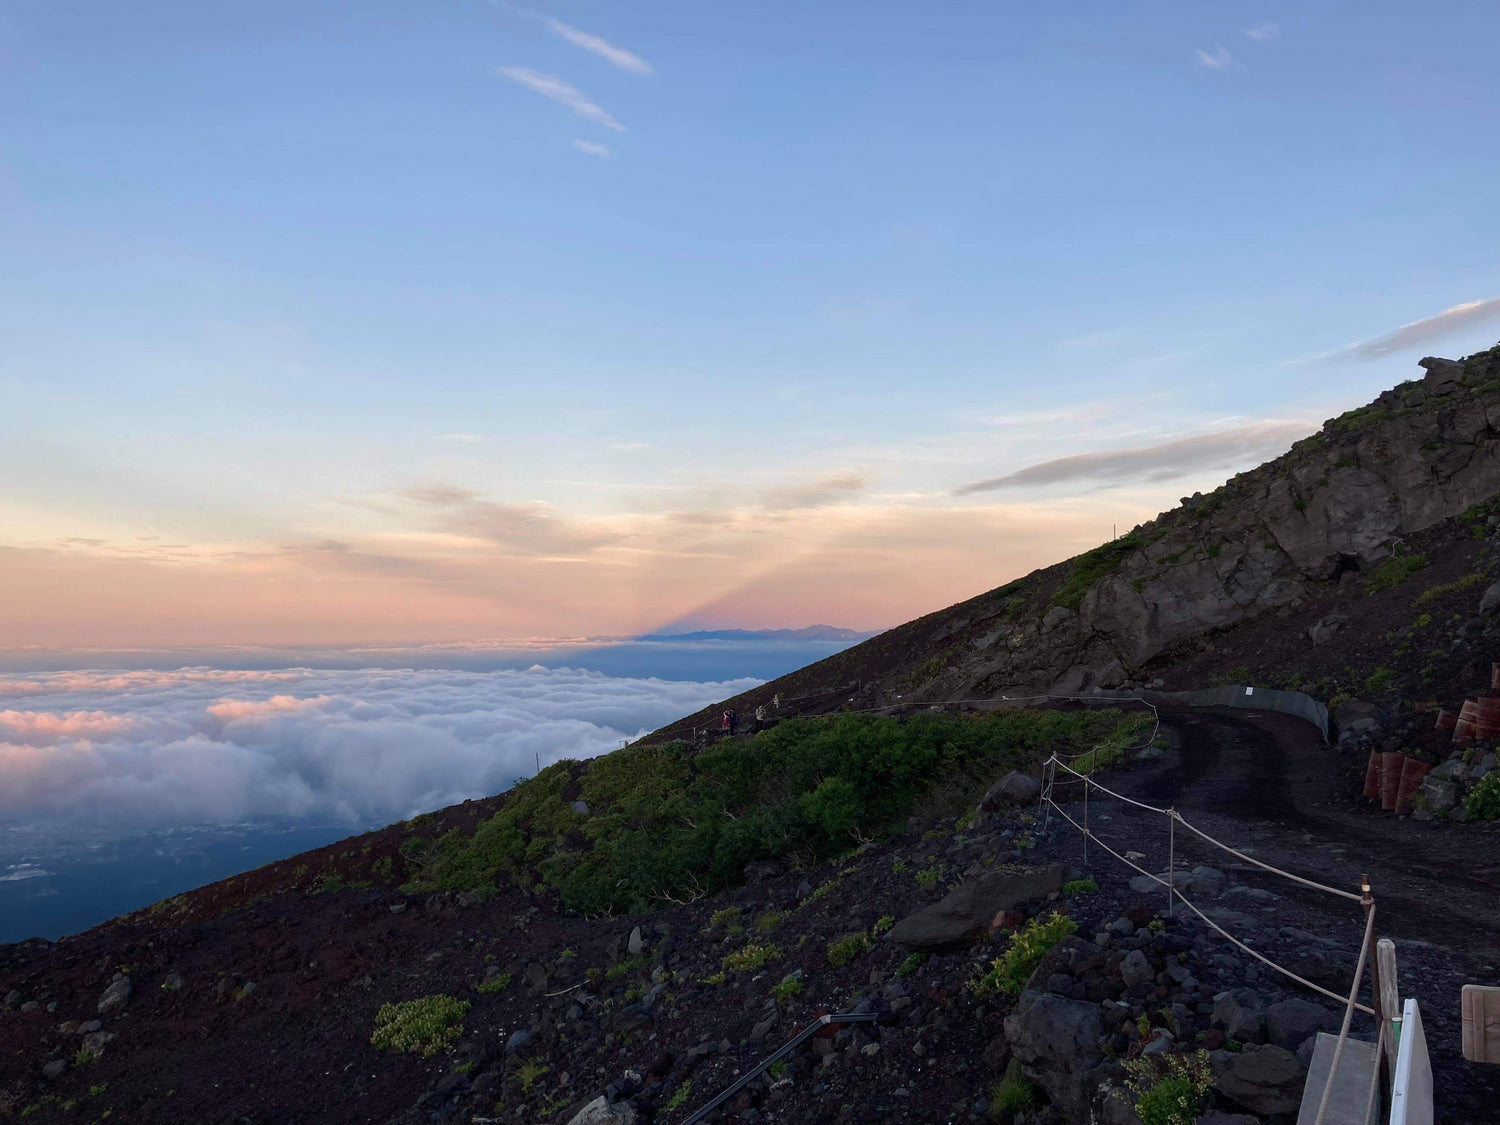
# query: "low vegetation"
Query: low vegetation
{"points": [[668, 825], [422, 1026], [1169, 1089], [1008, 973]]}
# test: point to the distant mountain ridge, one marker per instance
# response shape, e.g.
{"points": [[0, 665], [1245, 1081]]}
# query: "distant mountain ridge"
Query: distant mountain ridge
{"points": [[809, 633]]}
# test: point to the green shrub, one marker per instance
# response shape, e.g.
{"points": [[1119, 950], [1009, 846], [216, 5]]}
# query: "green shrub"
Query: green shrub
{"points": [[787, 989], [529, 1071], [723, 918], [750, 958], [1483, 801], [911, 964], [680, 1095], [1380, 681], [1092, 566], [669, 823], [1009, 972], [1169, 1089], [846, 949], [1393, 572], [626, 965], [422, 1026], [767, 922], [1014, 1093], [498, 983], [930, 876], [883, 924], [84, 1056], [1082, 886]]}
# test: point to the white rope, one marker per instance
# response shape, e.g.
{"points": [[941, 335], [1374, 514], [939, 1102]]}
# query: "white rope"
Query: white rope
{"points": [[1338, 1051], [1206, 919], [1219, 844]]}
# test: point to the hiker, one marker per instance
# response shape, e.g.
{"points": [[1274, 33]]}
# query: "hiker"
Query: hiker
{"points": [[760, 718], [734, 722], [725, 724], [776, 703]]}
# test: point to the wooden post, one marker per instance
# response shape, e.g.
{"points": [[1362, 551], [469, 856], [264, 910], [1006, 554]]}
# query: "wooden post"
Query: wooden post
{"points": [[1389, 1002], [1377, 985]]}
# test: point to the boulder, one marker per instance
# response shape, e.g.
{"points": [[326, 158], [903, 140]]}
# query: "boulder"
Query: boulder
{"points": [[964, 914], [1136, 969], [1265, 1080], [1015, 788], [1491, 599], [54, 1069], [115, 997], [1291, 1022], [1441, 794], [581, 808], [635, 944], [1241, 1014], [1056, 1042], [1322, 631], [601, 1112], [1351, 711]]}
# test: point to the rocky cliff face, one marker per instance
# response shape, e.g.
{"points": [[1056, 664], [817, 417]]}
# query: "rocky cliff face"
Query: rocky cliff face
{"points": [[1346, 505], [1339, 501]]}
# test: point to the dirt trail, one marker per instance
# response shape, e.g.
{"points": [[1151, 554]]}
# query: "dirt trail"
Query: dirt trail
{"points": [[1266, 784]]}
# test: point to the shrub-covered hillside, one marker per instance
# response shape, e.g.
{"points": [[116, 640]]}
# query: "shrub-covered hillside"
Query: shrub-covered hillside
{"points": [[647, 825]]}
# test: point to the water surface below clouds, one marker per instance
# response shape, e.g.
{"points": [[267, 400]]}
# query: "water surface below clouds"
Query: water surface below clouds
{"points": [[122, 786]]}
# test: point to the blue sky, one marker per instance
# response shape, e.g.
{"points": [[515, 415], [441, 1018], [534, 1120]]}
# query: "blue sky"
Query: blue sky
{"points": [[411, 322]]}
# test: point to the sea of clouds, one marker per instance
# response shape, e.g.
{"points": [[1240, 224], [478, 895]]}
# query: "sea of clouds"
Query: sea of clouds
{"points": [[141, 750]]}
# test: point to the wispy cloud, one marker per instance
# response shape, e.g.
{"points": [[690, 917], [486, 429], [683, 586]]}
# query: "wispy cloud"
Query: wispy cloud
{"points": [[1263, 32], [462, 439], [819, 494], [523, 529], [598, 45], [1468, 315], [1153, 463], [551, 86], [1218, 59], [591, 148]]}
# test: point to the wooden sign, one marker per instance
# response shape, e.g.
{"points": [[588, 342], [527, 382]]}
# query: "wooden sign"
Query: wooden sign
{"points": [[1481, 1013]]}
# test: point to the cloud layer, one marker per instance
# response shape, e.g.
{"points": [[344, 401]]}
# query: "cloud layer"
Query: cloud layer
{"points": [[1153, 463], [149, 749], [598, 45], [1468, 315]]}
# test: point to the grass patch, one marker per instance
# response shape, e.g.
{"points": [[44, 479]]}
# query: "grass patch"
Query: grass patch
{"points": [[1442, 590], [1093, 566], [1084, 886], [669, 823], [786, 989], [422, 1026], [1393, 572], [911, 964], [1009, 972], [1013, 1094], [497, 983], [846, 949], [1169, 1089], [750, 958], [680, 1095]]}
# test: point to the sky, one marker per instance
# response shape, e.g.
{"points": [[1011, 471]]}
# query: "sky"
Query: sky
{"points": [[394, 323]]}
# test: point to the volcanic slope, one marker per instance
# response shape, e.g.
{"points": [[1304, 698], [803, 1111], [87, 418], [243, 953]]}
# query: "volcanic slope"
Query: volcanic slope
{"points": [[1299, 573]]}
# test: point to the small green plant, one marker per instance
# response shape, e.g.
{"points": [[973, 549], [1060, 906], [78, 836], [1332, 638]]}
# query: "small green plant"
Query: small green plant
{"points": [[626, 965], [1483, 801], [331, 881], [84, 1056], [423, 1026], [1393, 572], [1008, 973], [680, 1095], [767, 922], [716, 978], [1169, 1089], [750, 958], [846, 949], [1458, 586], [930, 876], [95, 1091], [1156, 925], [899, 867], [787, 989], [528, 1072], [882, 924], [821, 891], [777, 1068], [722, 918], [1084, 886], [911, 964], [1013, 1094], [1143, 1024], [1380, 681], [464, 1067]]}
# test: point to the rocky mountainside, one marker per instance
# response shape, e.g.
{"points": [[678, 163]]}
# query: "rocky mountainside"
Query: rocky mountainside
{"points": [[1348, 514], [615, 942]]}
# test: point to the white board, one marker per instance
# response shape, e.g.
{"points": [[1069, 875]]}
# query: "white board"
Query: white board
{"points": [[1411, 1093]]}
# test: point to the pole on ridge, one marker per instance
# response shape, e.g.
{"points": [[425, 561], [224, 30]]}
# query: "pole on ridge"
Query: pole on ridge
{"points": [[1085, 819], [1171, 858]]}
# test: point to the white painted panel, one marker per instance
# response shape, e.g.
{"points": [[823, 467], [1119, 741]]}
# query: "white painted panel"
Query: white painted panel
{"points": [[1411, 1097]]}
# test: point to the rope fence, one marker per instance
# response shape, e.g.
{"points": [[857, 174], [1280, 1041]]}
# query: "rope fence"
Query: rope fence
{"points": [[1055, 762]]}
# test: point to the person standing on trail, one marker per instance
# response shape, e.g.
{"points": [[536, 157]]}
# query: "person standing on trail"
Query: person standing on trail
{"points": [[760, 718], [776, 703], [734, 722], [725, 725]]}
